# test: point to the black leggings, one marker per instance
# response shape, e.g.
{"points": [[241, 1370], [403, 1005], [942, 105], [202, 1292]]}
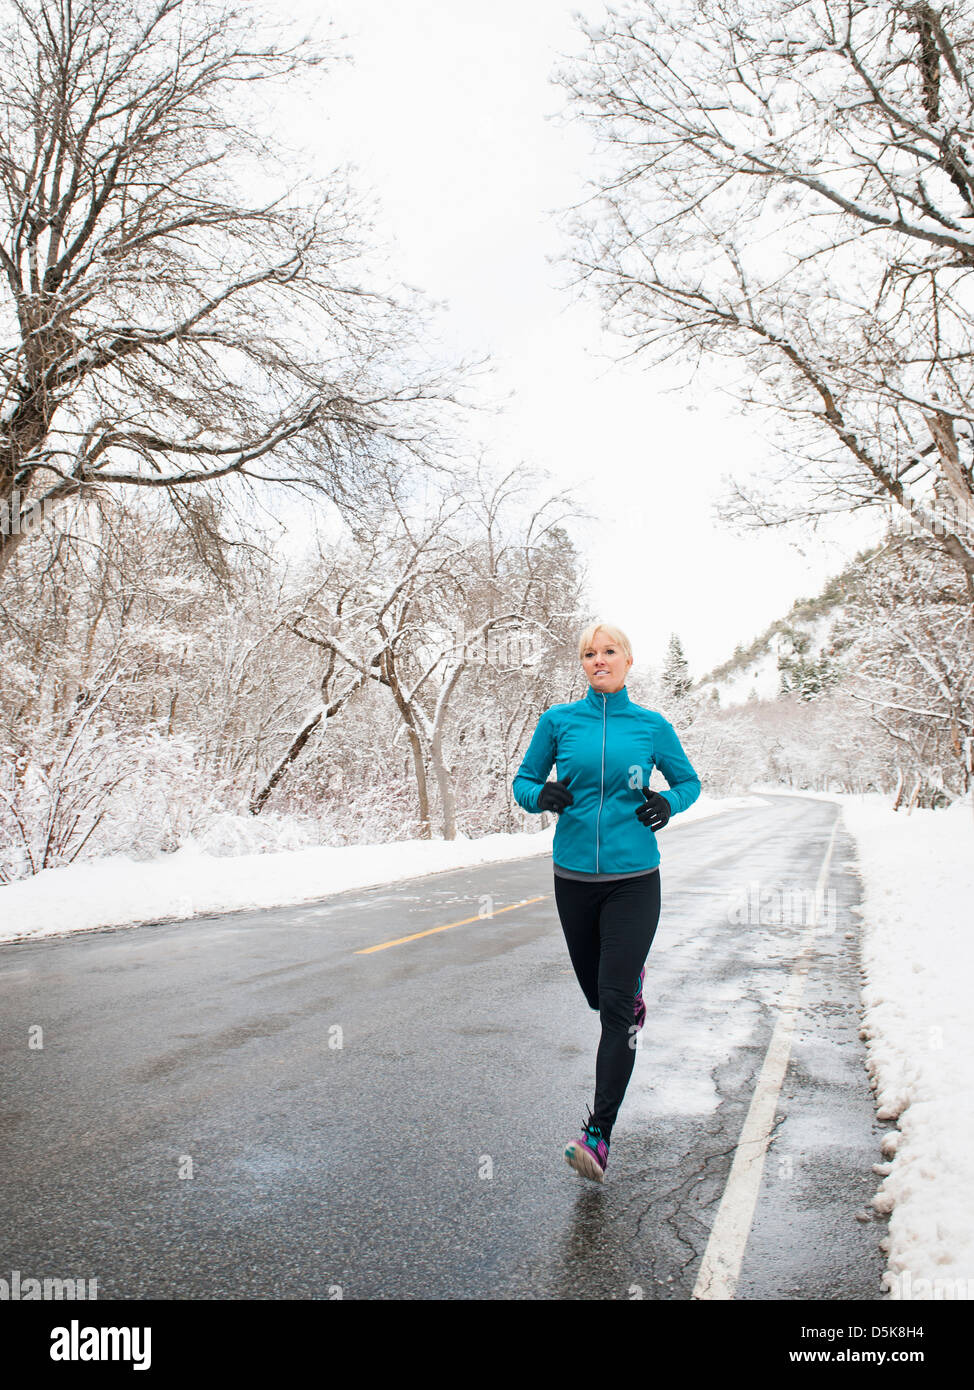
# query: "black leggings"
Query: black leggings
{"points": [[609, 928]]}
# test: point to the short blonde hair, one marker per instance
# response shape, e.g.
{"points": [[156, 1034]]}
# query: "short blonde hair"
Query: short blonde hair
{"points": [[614, 634]]}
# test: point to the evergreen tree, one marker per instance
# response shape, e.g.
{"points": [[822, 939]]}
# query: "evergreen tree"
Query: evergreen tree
{"points": [[676, 673], [802, 673]]}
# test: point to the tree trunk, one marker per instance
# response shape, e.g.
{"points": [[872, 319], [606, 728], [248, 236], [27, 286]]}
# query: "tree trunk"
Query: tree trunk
{"points": [[444, 782], [898, 798], [422, 788]]}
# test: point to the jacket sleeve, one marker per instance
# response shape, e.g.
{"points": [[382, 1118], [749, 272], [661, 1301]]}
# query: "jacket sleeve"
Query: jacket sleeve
{"points": [[684, 784], [536, 764]]}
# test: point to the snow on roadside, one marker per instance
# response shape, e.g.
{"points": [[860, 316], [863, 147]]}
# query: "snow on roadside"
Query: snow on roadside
{"points": [[918, 958], [120, 892]]}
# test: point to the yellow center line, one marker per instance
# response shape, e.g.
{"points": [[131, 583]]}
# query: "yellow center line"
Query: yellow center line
{"points": [[480, 917]]}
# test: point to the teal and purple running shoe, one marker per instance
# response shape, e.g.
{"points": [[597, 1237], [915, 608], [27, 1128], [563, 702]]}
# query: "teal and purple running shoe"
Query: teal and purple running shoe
{"points": [[589, 1154]]}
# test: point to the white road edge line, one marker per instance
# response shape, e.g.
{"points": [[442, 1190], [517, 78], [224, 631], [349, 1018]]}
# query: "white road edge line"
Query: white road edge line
{"points": [[721, 1264]]}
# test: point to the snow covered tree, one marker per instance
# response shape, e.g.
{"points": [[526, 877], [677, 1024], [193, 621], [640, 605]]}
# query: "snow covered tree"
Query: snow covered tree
{"points": [[675, 676], [446, 610], [789, 194], [161, 328], [100, 643], [800, 671], [911, 632]]}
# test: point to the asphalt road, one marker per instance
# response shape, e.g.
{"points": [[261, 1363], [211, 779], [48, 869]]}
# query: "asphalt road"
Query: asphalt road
{"points": [[246, 1107]]}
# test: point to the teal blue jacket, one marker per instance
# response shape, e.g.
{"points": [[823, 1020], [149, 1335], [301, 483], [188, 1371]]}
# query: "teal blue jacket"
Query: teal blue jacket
{"points": [[605, 746]]}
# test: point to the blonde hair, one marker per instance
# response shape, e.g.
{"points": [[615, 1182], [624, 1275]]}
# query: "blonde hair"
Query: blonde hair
{"points": [[615, 634]]}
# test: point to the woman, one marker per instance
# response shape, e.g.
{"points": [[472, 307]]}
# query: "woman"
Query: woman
{"points": [[607, 886]]}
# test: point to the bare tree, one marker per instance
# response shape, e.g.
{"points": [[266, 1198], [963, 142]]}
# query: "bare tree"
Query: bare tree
{"points": [[160, 328], [424, 604], [790, 188]]}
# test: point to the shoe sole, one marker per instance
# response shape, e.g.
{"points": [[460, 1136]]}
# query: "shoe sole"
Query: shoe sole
{"points": [[578, 1157]]}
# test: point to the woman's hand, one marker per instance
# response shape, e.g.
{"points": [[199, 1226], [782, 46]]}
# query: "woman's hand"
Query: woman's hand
{"points": [[555, 796], [655, 810]]}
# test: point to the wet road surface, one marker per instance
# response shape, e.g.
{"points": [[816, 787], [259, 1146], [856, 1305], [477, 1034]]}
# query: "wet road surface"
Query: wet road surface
{"points": [[244, 1107]]}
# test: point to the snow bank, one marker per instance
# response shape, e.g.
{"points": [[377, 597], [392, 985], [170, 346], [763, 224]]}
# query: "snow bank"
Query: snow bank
{"points": [[918, 958], [191, 883], [119, 891]]}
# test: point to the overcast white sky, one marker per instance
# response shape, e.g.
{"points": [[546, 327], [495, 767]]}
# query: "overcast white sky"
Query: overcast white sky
{"points": [[447, 110]]}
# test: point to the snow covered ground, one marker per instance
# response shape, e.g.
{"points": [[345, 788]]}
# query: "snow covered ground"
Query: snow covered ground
{"points": [[918, 957]]}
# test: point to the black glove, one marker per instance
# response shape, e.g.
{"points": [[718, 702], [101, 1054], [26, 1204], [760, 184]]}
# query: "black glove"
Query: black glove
{"points": [[655, 810], [555, 796]]}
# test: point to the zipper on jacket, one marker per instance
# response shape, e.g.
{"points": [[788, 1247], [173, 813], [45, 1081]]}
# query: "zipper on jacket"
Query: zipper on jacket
{"points": [[601, 788]]}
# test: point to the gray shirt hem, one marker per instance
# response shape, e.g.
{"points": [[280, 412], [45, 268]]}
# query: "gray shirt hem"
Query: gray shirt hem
{"points": [[602, 878]]}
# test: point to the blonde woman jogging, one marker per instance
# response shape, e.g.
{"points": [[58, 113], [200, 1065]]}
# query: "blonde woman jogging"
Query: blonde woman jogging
{"points": [[606, 857]]}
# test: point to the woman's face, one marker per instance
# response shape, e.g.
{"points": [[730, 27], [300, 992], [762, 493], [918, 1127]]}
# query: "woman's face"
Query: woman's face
{"points": [[605, 664]]}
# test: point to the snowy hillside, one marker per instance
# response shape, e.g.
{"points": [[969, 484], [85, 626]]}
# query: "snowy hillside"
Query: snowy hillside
{"points": [[755, 672]]}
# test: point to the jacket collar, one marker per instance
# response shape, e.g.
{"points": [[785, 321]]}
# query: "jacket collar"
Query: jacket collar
{"points": [[610, 700]]}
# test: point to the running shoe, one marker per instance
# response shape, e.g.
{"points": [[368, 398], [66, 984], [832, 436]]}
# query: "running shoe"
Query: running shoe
{"points": [[589, 1154], [640, 1007]]}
